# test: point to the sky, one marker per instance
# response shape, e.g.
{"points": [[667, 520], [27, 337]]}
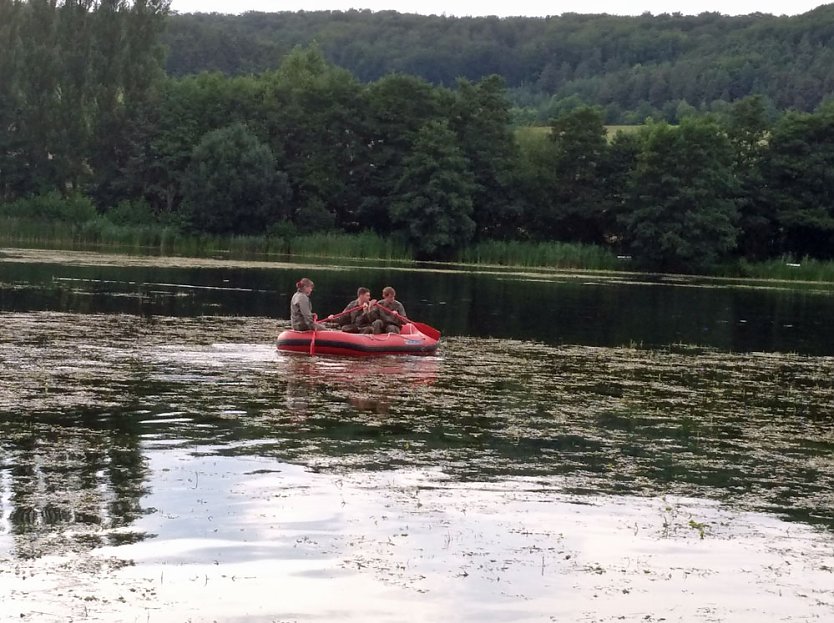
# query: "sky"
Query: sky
{"points": [[504, 9]]}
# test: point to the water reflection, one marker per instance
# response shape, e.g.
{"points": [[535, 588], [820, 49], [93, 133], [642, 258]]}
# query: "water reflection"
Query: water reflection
{"points": [[554, 308], [249, 538], [370, 384], [752, 429], [188, 438], [66, 485]]}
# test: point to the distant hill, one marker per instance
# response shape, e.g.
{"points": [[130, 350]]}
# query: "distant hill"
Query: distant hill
{"points": [[631, 66]]}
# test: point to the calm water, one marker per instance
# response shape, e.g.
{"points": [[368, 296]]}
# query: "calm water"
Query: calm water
{"points": [[582, 449]]}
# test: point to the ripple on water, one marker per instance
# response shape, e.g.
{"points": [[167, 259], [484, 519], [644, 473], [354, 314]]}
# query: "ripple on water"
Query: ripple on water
{"points": [[250, 537], [506, 475]]}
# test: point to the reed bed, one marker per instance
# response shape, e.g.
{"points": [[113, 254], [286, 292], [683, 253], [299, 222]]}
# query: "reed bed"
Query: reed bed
{"points": [[784, 268], [167, 240], [541, 254], [360, 245], [158, 239]]}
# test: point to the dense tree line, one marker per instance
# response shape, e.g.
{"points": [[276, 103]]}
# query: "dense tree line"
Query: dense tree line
{"points": [[309, 147], [73, 78], [632, 67]]}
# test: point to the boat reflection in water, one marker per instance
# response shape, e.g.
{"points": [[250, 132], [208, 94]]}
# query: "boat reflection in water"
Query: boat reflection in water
{"points": [[368, 384]]}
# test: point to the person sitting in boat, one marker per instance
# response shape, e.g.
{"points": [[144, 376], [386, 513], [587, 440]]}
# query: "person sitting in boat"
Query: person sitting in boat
{"points": [[361, 317], [384, 321], [301, 309]]}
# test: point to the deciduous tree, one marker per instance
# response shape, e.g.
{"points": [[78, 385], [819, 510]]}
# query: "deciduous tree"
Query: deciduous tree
{"points": [[799, 169], [433, 204], [232, 186], [573, 178], [681, 213], [480, 116]]}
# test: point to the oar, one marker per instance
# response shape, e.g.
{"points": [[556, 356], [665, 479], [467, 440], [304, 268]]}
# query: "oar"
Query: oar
{"points": [[422, 328], [313, 338], [340, 314]]}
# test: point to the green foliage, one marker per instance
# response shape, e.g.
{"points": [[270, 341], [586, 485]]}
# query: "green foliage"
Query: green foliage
{"points": [[661, 66], [307, 149], [480, 118], [799, 169], [128, 212], [364, 245], [785, 268], [748, 127], [282, 229], [186, 110], [623, 153], [397, 107], [232, 185], [51, 206], [70, 76], [747, 124], [100, 233], [681, 213], [13, 178], [565, 179], [314, 217], [433, 206], [540, 254], [313, 120]]}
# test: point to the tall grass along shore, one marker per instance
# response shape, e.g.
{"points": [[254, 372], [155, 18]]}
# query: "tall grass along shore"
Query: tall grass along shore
{"points": [[157, 239]]}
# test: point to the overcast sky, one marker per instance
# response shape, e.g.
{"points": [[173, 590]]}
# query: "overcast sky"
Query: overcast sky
{"points": [[503, 9]]}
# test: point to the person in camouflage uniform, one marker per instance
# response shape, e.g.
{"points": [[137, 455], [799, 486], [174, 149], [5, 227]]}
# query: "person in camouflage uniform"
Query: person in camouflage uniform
{"points": [[359, 320], [382, 320], [301, 309]]}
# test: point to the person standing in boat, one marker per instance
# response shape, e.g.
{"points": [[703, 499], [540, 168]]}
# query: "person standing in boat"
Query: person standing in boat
{"points": [[301, 309], [361, 317], [385, 322]]}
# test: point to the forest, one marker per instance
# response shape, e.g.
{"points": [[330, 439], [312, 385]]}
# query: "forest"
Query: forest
{"points": [[93, 127], [632, 67]]}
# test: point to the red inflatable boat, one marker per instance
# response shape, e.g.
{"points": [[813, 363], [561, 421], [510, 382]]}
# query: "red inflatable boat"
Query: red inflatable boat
{"points": [[410, 341]]}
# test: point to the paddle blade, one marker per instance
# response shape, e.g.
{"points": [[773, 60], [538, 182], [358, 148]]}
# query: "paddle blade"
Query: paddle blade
{"points": [[427, 330]]}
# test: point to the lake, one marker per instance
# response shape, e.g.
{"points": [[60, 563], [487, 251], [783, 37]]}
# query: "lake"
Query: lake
{"points": [[584, 447]]}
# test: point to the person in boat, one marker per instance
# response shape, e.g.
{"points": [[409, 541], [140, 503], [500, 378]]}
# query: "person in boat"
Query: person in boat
{"points": [[385, 322], [361, 316], [301, 309]]}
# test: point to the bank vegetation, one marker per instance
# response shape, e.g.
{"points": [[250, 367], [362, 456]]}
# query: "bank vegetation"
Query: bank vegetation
{"points": [[98, 145]]}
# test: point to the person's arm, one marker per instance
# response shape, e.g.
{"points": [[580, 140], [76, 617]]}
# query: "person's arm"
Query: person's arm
{"points": [[397, 308], [345, 318], [369, 312], [388, 313]]}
